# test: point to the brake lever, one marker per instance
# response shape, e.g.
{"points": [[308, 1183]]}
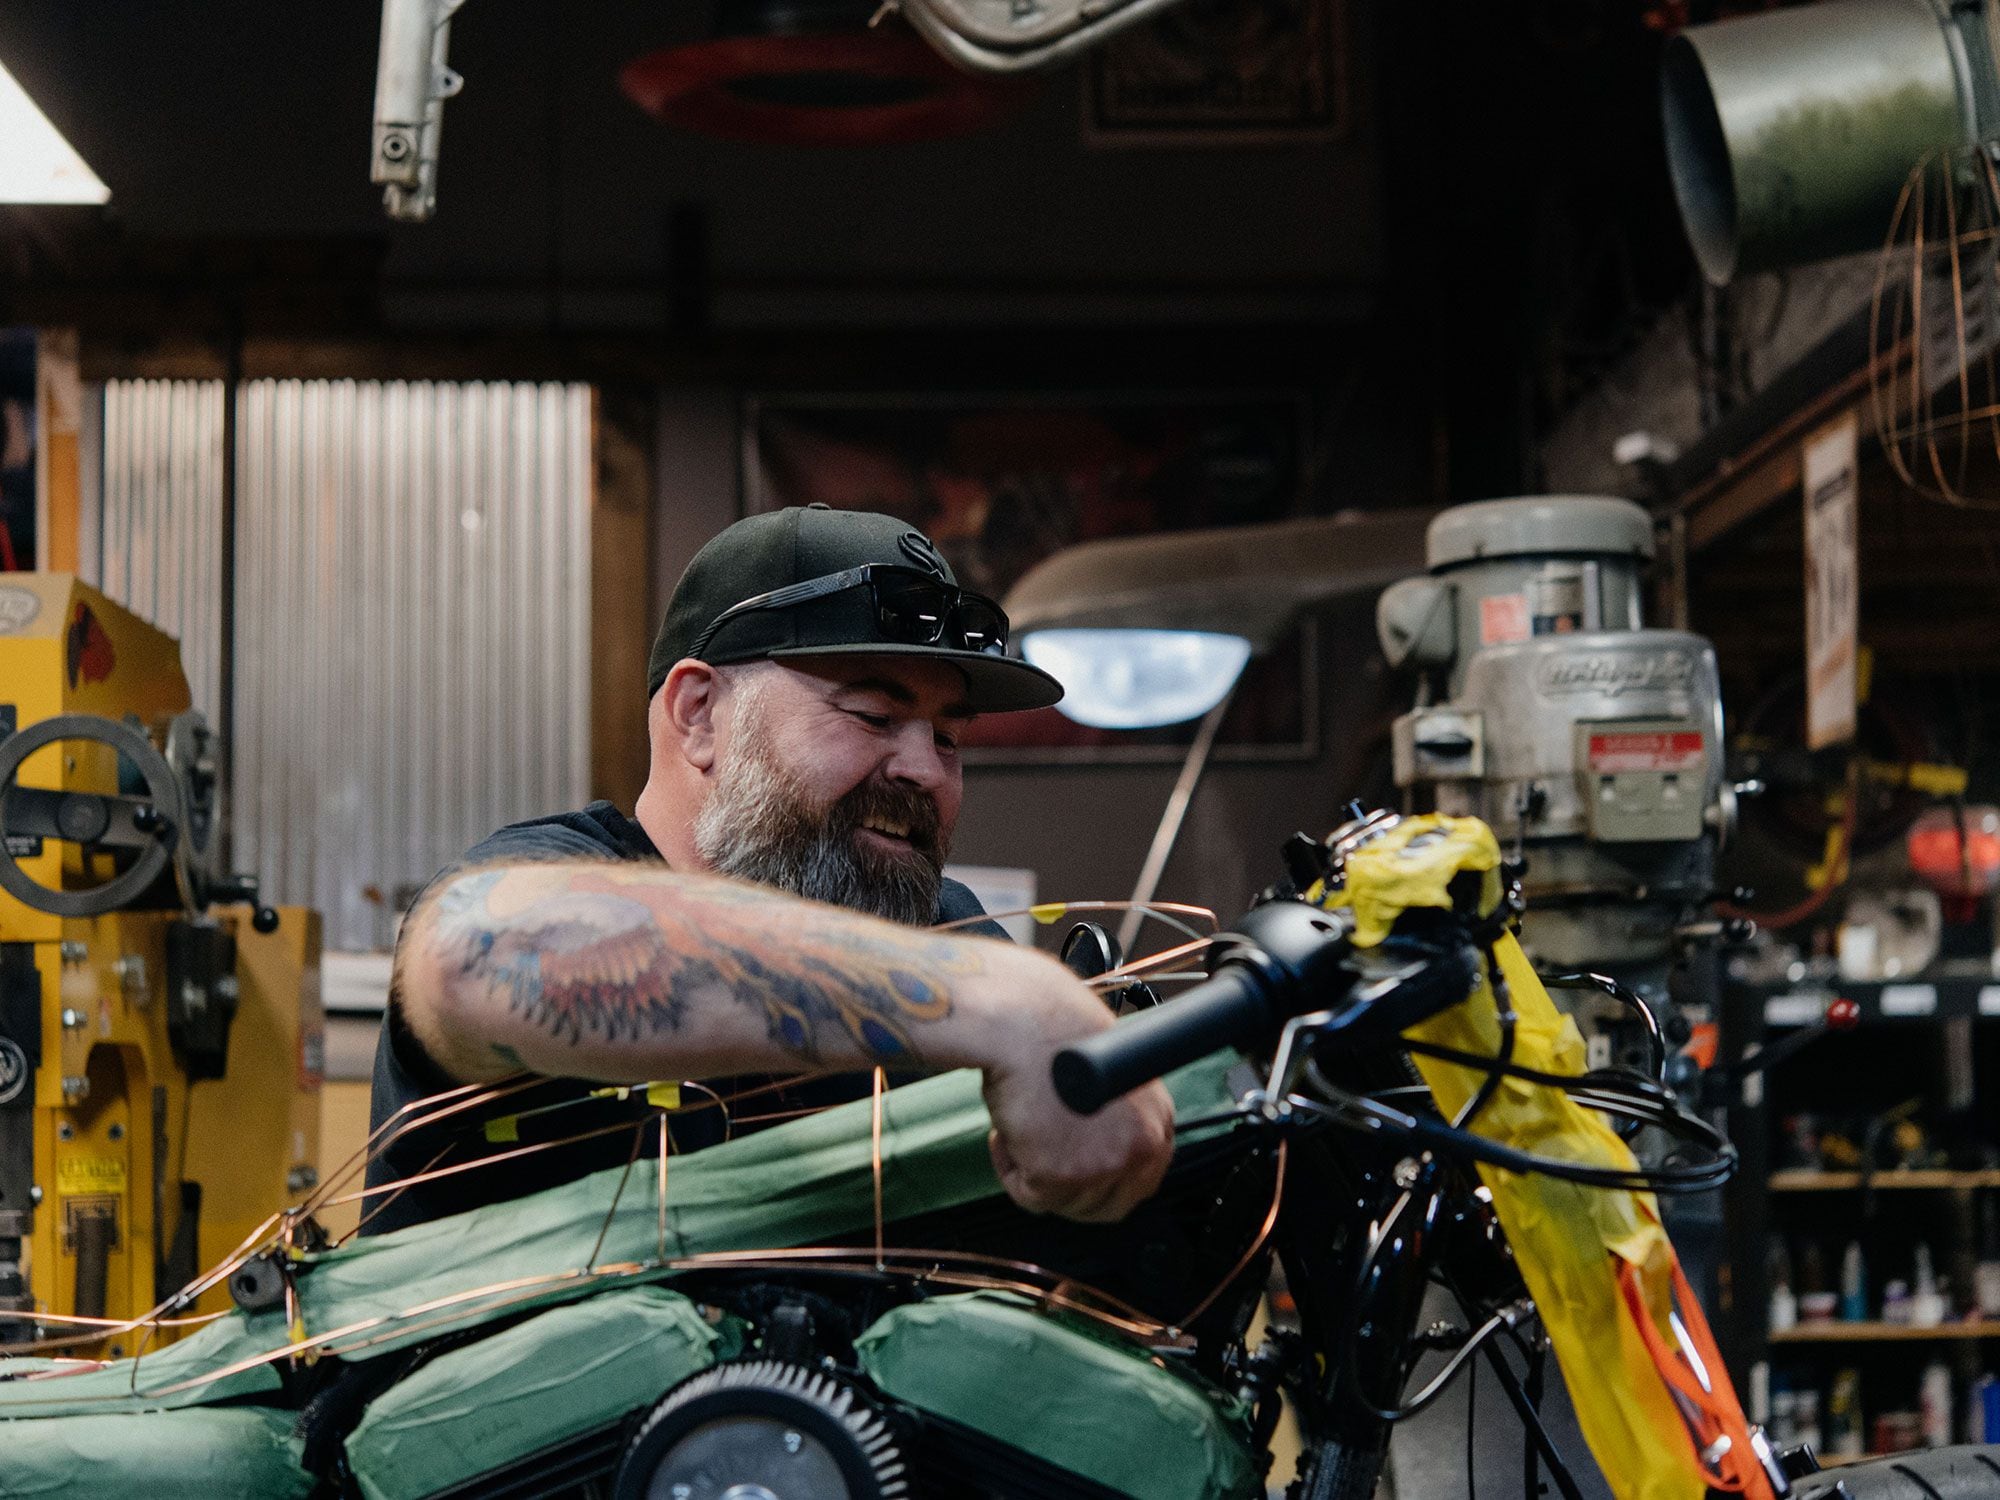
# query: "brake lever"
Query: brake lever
{"points": [[1272, 1101]]}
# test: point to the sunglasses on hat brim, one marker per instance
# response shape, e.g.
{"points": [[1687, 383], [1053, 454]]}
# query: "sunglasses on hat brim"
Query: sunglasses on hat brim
{"points": [[908, 608]]}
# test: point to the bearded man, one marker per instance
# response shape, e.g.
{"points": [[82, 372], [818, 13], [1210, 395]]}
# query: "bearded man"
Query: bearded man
{"points": [[765, 909]]}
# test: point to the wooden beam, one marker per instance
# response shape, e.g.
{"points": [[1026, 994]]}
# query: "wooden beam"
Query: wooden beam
{"points": [[1748, 483], [621, 603], [58, 474]]}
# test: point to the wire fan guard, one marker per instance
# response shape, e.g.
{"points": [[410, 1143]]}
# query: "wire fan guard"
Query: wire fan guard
{"points": [[1934, 332]]}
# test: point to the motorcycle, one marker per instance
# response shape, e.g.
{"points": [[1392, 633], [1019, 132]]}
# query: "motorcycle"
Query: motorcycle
{"points": [[1373, 1098]]}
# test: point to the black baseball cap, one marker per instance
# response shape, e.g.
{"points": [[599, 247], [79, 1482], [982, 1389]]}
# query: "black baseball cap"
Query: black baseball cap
{"points": [[801, 544]]}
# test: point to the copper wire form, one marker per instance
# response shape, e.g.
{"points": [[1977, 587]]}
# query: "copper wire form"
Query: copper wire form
{"points": [[942, 1267], [1140, 967], [1256, 1246], [1046, 912], [880, 1086], [1934, 332], [963, 1269]]}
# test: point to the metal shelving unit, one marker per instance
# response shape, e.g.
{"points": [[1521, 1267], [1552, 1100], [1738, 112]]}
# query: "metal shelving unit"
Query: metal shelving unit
{"points": [[1954, 999], [1877, 1332], [1795, 1181]]}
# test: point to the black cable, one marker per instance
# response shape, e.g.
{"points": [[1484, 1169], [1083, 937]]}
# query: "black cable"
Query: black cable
{"points": [[1444, 1377], [1624, 1096], [1631, 999], [1219, 1117], [1531, 1477], [1496, 1067], [1471, 1419], [1437, 1136], [1611, 1091], [1531, 1423]]}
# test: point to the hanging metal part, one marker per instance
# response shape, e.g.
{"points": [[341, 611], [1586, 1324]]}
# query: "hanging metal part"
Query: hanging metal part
{"points": [[412, 82], [1019, 36], [1170, 820], [1789, 133]]}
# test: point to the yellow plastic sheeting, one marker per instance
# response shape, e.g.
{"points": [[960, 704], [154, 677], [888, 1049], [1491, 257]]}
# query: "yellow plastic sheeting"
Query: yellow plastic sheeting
{"points": [[1567, 1238]]}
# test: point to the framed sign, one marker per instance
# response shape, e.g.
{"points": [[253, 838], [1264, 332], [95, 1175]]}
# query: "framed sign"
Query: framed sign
{"points": [[1001, 482], [1833, 582], [1221, 72]]}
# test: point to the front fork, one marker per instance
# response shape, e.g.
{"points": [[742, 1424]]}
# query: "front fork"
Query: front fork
{"points": [[1372, 1337]]}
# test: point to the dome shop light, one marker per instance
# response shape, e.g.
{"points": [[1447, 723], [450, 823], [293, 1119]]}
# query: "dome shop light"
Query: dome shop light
{"points": [[36, 164], [1138, 678], [1152, 630]]}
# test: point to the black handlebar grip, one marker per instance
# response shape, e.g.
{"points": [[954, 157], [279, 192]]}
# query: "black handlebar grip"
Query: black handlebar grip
{"points": [[1231, 1007]]}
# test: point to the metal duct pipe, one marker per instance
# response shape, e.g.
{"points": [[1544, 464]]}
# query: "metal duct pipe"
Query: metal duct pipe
{"points": [[1790, 134]]}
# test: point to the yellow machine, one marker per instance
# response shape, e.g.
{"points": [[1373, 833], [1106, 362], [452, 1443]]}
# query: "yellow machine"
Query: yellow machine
{"points": [[159, 1062]]}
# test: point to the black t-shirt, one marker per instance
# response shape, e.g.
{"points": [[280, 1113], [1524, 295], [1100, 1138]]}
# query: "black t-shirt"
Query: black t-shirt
{"points": [[405, 1073]]}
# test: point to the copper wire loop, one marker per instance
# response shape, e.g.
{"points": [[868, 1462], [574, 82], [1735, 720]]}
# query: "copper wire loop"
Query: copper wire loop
{"points": [[280, 1233]]}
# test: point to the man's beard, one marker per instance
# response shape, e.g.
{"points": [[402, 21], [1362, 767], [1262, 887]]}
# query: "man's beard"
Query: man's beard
{"points": [[759, 824]]}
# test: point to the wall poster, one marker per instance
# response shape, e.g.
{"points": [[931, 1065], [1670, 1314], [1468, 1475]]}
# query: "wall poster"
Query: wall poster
{"points": [[999, 483], [1833, 587], [1222, 72]]}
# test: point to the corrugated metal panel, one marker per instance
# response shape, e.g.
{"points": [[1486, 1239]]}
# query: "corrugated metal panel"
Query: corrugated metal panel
{"points": [[413, 612], [158, 517], [413, 618]]}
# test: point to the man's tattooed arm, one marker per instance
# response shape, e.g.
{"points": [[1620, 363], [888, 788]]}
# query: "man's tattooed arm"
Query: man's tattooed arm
{"points": [[607, 971], [621, 973]]}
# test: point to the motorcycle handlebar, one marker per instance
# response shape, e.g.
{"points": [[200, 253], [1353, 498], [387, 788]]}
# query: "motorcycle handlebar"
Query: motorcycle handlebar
{"points": [[1231, 1007], [1283, 955]]}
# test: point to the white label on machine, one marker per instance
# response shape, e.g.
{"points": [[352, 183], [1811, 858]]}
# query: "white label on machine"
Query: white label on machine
{"points": [[1612, 751], [1504, 617], [1989, 1000], [1909, 999], [1794, 1010], [1833, 584]]}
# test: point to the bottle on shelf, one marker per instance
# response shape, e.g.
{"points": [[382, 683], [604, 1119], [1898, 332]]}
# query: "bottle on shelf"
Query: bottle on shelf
{"points": [[1982, 1411], [1926, 1300], [1973, 1427], [1986, 1274], [1843, 1415], [1853, 1284], [1896, 1302], [1805, 1419], [1784, 1302], [1934, 1400], [1784, 1424], [1817, 1301]]}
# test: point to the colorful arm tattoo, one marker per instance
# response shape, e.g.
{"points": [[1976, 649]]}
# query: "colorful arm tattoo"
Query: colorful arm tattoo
{"points": [[616, 955]]}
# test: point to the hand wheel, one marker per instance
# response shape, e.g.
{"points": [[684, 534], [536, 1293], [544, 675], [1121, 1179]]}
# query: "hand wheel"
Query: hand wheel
{"points": [[151, 824]]}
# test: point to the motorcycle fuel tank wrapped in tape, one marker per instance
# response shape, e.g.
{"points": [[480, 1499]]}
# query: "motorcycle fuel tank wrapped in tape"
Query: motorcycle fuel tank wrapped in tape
{"points": [[992, 1362], [162, 1382], [182, 1455], [1578, 1247], [806, 1181], [557, 1376]]}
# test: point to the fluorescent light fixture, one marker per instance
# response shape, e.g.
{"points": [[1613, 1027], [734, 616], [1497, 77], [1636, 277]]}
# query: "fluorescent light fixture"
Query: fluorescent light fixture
{"points": [[1138, 679], [36, 164]]}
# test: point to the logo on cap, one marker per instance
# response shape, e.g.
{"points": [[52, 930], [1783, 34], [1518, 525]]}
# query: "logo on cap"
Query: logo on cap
{"points": [[919, 548]]}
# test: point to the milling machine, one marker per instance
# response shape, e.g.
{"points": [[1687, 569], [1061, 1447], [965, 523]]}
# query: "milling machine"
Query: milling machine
{"points": [[1591, 743], [161, 1036]]}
